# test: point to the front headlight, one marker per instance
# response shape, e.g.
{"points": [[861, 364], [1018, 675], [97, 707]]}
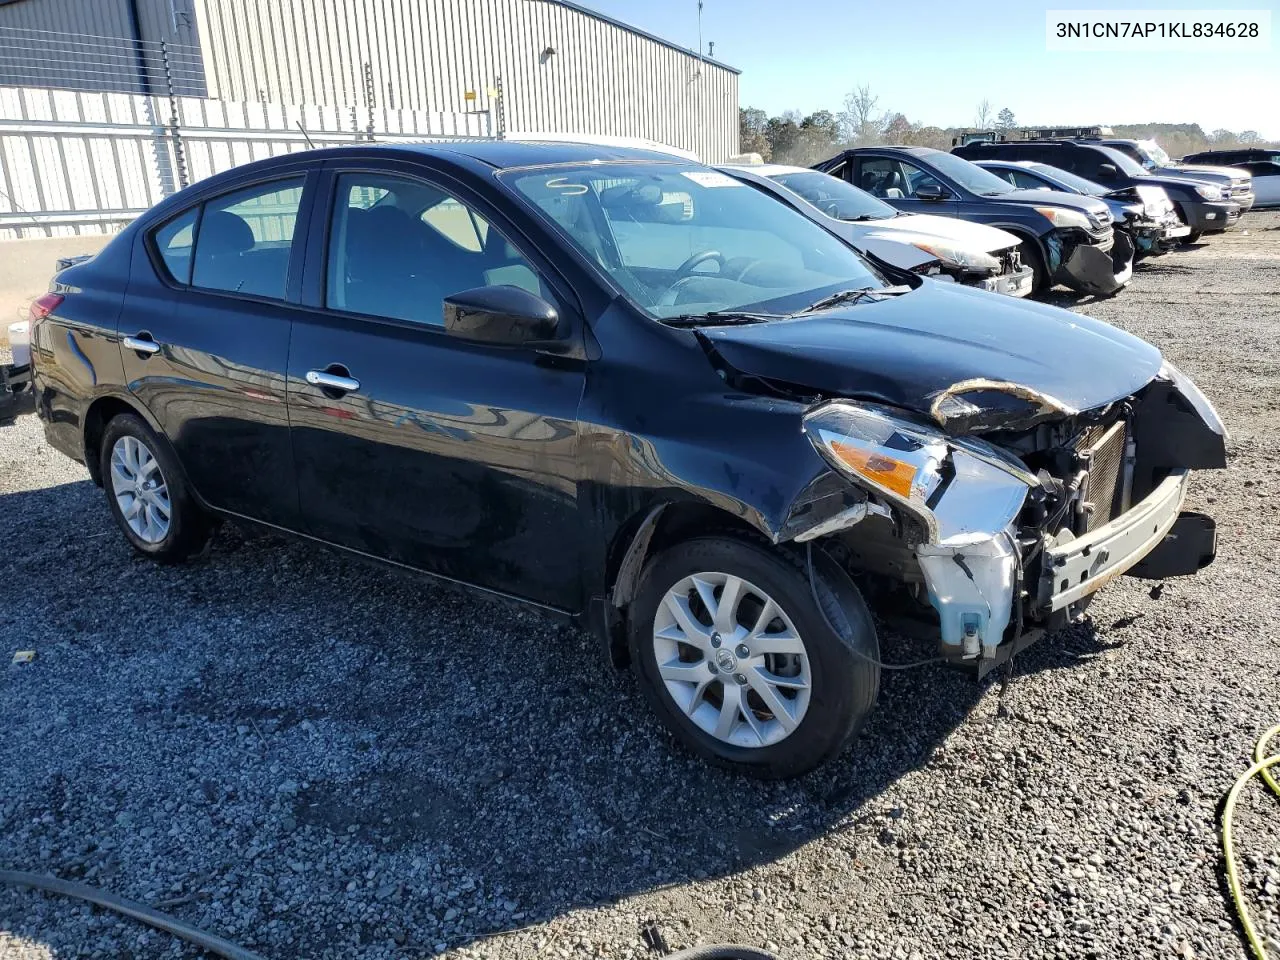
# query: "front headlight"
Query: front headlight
{"points": [[1209, 191], [958, 256], [1062, 217], [957, 489]]}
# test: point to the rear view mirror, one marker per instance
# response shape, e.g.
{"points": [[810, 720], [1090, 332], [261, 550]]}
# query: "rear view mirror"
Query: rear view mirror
{"points": [[931, 191], [1108, 171], [505, 315]]}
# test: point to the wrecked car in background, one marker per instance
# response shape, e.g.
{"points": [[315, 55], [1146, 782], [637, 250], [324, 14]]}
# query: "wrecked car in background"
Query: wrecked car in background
{"points": [[943, 247], [630, 391], [1066, 238], [1201, 205], [1145, 213]]}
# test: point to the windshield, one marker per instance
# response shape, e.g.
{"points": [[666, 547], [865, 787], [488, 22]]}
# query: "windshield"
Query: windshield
{"points": [[969, 175], [835, 197], [684, 240], [1120, 157], [1154, 151], [1078, 184]]}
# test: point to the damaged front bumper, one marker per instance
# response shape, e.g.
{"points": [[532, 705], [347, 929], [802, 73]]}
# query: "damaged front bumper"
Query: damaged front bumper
{"points": [[1154, 237], [1003, 553], [1011, 283], [1098, 268]]}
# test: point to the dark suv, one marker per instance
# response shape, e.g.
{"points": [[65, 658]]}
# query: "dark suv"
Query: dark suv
{"points": [[1066, 238], [632, 392], [1201, 205], [1237, 185]]}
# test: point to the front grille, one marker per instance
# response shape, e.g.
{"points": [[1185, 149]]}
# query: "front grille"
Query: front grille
{"points": [[1103, 448]]}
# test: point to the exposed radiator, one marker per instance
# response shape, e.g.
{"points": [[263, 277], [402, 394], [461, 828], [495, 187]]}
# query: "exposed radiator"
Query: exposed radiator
{"points": [[1104, 448]]}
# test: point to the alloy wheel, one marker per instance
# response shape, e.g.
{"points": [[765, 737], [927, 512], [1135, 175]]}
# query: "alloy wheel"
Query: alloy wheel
{"points": [[731, 659], [140, 489]]}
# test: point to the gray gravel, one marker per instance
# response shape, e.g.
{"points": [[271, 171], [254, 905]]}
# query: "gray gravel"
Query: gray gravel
{"points": [[317, 759]]}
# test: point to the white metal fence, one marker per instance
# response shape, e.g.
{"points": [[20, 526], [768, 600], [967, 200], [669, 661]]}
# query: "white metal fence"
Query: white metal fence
{"points": [[94, 130], [77, 162]]}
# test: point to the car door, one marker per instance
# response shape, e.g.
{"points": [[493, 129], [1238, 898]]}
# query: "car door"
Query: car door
{"points": [[898, 182], [415, 446], [205, 339]]}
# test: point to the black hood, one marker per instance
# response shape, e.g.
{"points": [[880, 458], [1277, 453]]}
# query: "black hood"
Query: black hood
{"points": [[907, 349]]}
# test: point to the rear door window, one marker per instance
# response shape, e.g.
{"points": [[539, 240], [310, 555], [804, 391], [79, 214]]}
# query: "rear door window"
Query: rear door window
{"points": [[246, 238]]}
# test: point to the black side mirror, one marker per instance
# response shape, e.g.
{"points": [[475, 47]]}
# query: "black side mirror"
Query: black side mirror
{"points": [[506, 315], [932, 191], [1108, 171]]}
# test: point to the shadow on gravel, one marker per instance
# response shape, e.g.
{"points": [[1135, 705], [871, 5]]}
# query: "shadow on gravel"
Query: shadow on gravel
{"points": [[372, 763]]}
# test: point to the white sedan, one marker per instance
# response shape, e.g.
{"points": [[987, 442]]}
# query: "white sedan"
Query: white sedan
{"points": [[943, 247]]}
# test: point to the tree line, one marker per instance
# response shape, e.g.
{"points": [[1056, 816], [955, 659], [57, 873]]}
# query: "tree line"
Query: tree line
{"points": [[796, 138]]}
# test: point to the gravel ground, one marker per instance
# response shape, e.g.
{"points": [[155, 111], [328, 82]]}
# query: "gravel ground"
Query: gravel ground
{"points": [[317, 759]]}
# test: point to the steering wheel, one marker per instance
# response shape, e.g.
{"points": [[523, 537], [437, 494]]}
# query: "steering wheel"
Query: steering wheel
{"points": [[686, 268]]}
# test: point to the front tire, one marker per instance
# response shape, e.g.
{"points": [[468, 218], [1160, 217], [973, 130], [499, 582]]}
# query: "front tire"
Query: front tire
{"points": [[1193, 237], [741, 665], [148, 494], [1029, 251]]}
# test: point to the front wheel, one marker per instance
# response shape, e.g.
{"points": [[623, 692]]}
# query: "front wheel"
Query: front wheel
{"points": [[1193, 236], [1029, 251], [740, 663], [148, 495]]}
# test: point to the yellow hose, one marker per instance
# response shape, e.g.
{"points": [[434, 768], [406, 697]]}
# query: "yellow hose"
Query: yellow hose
{"points": [[1261, 765]]}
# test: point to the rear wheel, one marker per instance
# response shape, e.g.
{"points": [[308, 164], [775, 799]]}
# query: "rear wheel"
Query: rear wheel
{"points": [[147, 494], [741, 664]]}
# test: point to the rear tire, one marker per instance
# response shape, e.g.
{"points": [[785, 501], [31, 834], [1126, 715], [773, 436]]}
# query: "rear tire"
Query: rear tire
{"points": [[824, 689], [148, 495]]}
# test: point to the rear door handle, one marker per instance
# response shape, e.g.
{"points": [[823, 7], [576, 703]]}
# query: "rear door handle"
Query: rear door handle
{"points": [[332, 381], [142, 343]]}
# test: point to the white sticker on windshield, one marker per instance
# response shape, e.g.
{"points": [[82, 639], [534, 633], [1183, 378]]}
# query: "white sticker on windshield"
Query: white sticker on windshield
{"points": [[711, 178]]}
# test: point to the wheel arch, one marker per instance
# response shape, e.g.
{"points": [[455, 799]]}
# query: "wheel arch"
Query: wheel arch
{"points": [[102, 411], [646, 533]]}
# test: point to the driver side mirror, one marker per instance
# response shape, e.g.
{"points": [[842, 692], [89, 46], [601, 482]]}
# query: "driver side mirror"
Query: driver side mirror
{"points": [[932, 191], [1108, 171], [502, 315]]}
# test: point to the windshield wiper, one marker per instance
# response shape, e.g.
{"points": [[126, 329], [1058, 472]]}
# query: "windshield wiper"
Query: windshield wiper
{"points": [[853, 296], [719, 318]]}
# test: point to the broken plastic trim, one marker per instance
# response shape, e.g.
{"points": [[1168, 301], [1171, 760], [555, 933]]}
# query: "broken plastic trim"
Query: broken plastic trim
{"points": [[956, 414]]}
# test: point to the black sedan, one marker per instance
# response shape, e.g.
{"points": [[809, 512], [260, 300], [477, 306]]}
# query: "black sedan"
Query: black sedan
{"points": [[630, 391], [1066, 238]]}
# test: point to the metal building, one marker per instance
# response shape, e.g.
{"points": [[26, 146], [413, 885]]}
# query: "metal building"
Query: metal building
{"points": [[531, 65]]}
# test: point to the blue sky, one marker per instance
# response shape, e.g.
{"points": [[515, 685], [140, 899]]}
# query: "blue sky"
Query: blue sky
{"points": [[934, 60]]}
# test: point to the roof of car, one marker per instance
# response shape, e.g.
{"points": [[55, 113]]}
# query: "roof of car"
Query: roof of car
{"points": [[502, 154], [1010, 163], [765, 169]]}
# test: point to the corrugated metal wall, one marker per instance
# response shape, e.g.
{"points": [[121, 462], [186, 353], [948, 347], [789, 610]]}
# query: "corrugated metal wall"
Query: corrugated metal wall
{"points": [[427, 54], [92, 45]]}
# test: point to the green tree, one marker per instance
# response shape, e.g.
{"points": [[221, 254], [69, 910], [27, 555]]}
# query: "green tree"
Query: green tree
{"points": [[1005, 120], [753, 137], [783, 134]]}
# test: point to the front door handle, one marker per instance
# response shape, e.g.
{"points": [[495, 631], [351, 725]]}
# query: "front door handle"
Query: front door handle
{"points": [[326, 380], [142, 343]]}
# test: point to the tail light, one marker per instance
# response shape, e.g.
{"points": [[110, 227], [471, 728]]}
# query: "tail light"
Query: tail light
{"points": [[41, 307]]}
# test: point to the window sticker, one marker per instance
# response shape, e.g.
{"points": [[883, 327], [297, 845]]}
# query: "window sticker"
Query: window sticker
{"points": [[711, 178]]}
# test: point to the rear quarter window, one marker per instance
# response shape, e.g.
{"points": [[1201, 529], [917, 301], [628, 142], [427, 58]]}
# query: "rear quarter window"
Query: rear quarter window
{"points": [[174, 241]]}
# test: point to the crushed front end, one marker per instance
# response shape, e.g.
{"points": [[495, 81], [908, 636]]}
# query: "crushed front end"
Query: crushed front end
{"points": [[998, 520], [1151, 220]]}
